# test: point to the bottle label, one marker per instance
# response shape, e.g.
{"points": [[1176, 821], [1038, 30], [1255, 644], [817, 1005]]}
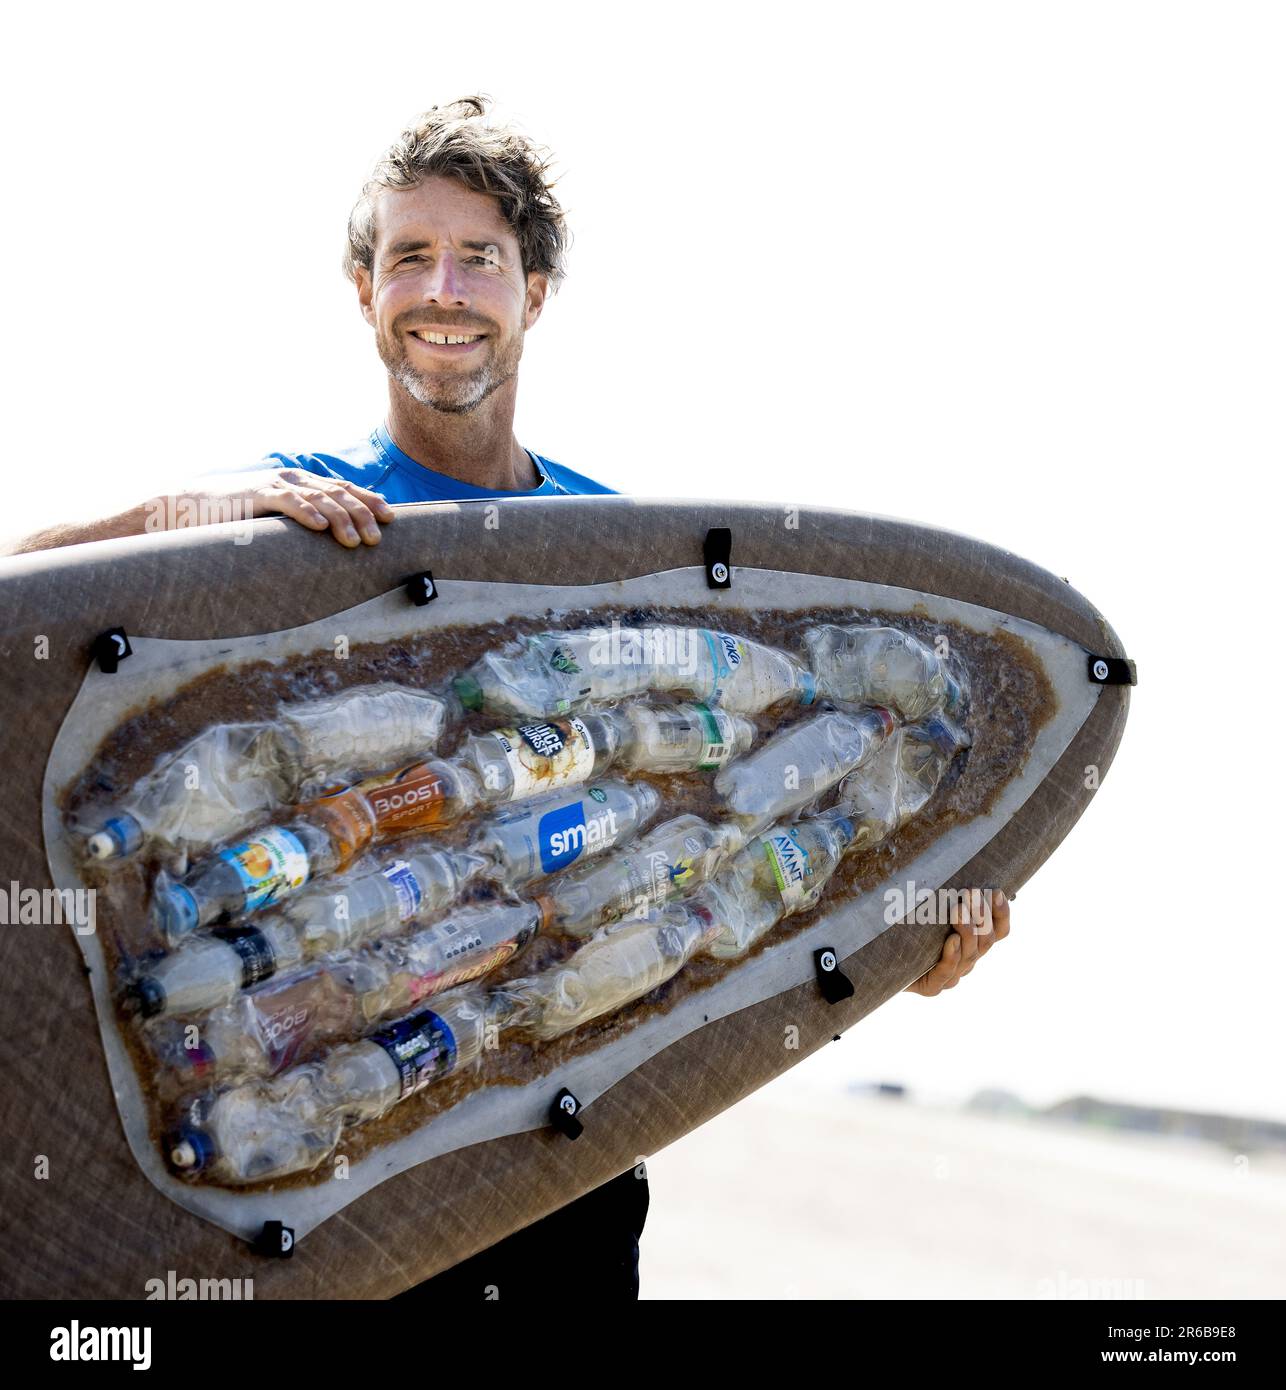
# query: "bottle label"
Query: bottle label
{"points": [[463, 946], [407, 887], [287, 1012], [416, 799], [715, 751], [269, 866], [789, 862], [725, 658], [421, 1047], [567, 833], [544, 756], [258, 959]]}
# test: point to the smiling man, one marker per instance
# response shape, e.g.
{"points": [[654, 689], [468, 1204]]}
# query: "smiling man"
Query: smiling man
{"points": [[454, 247]]}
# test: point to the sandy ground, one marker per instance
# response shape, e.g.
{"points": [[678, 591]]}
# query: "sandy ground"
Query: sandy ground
{"points": [[800, 1195]]}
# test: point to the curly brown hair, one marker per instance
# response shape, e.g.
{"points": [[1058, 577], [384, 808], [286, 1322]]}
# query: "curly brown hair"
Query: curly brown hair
{"points": [[456, 142]]}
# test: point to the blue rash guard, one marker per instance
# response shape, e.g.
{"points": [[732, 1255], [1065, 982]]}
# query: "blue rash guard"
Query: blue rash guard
{"points": [[378, 465]]}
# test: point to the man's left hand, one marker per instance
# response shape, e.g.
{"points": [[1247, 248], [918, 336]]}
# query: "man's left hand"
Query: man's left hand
{"points": [[978, 919]]}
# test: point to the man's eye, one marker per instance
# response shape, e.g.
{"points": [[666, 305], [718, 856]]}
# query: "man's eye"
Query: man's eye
{"points": [[482, 260]]}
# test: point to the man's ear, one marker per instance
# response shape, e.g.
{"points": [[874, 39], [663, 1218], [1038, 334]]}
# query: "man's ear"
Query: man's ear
{"points": [[537, 293], [364, 292]]}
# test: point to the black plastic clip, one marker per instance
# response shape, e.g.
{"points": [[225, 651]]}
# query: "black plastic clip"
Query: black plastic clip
{"points": [[834, 984], [110, 648], [275, 1240], [563, 1113], [420, 588], [1112, 670], [718, 557]]}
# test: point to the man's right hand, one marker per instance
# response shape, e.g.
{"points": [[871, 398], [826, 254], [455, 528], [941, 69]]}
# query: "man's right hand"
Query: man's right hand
{"points": [[352, 514]]}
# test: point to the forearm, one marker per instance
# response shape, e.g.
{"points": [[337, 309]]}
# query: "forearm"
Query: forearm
{"points": [[133, 522], [201, 503]]}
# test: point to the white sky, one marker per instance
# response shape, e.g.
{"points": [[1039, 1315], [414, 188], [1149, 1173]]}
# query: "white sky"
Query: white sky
{"points": [[1015, 270]]}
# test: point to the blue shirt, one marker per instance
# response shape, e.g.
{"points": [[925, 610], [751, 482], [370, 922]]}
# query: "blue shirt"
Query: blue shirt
{"points": [[380, 466]]}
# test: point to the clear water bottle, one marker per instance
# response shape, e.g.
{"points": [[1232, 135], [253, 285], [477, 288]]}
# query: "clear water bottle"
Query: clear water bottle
{"points": [[550, 833], [555, 673], [617, 965], [375, 900], [666, 863], [232, 775], [682, 738], [883, 666], [800, 763], [266, 1129]]}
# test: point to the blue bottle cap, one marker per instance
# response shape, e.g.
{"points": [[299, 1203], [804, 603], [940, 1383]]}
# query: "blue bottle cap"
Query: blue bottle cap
{"points": [[178, 911]]}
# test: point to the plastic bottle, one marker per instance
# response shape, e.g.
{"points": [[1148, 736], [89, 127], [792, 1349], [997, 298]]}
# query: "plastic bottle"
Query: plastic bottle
{"points": [[882, 666], [781, 872], [232, 775], [619, 964], [926, 752], [259, 1033], [550, 833], [512, 764], [666, 863], [554, 673], [800, 763], [391, 976], [375, 900], [324, 836], [871, 796], [682, 738], [291, 1123]]}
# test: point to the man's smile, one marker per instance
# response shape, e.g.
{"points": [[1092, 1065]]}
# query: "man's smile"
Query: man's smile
{"points": [[444, 342]]}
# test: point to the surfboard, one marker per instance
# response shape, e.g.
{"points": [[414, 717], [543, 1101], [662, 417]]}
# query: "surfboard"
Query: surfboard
{"points": [[119, 651]]}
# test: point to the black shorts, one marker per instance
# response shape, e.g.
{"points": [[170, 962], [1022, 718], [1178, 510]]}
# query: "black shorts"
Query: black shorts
{"points": [[588, 1249]]}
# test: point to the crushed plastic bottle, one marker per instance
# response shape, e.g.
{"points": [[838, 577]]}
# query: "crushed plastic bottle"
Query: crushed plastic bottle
{"points": [[800, 763], [512, 764], [259, 1033], [666, 863], [688, 737], [617, 965], [551, 674], [232, 775], [379, 899], [883, 666], [551, 833], [781, 872], [265, 1129], [392, 975]]}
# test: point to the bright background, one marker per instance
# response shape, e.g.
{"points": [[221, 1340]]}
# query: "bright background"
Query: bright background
{"points": [[1011, 269]]}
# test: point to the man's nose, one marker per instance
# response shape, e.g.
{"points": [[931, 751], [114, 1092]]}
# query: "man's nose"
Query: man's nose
{"points": [[445, 284]]}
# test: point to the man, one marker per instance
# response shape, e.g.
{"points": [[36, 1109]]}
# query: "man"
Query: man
{"points": [[454, 246]]}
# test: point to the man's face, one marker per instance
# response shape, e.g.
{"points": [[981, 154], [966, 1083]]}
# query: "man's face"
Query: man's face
{"points": [[447, 267]]}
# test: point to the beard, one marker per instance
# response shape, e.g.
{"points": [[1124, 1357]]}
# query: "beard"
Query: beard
{"points": [[451, 392]]}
